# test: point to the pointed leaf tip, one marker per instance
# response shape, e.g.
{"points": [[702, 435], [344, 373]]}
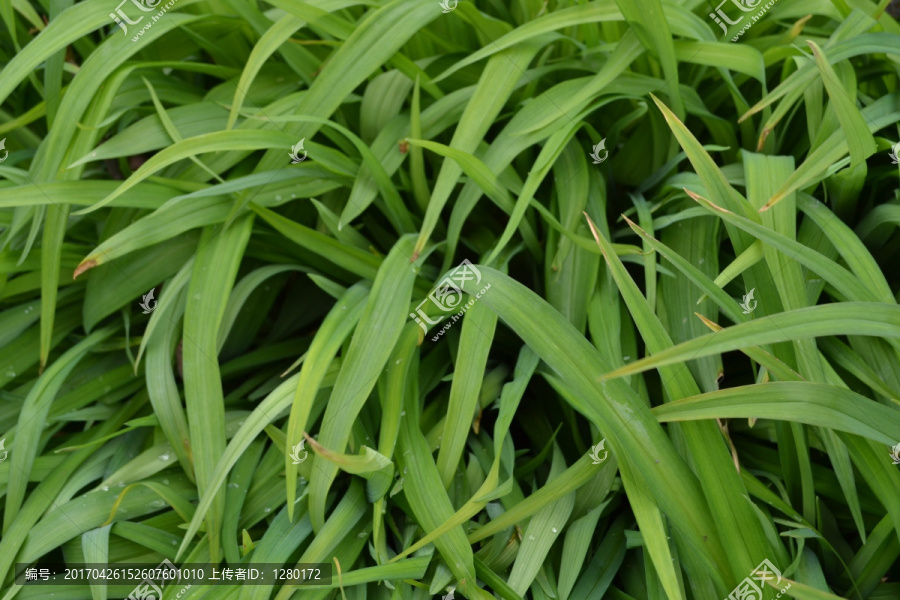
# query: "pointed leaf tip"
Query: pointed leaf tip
{"points": [[637, 228], [701, 200], [595, 233], [775, 200], [84, 266], [709, 323]]}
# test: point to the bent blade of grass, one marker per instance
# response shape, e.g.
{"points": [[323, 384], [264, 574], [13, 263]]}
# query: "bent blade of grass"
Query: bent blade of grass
{"points": [[180, 503], [335, 328], [877, 225], [767, 360], [87, 512], [796, 401], [160, 375], [859, 140], [734, 57], [82, 193], [172, 130], [475, 342], [378, 330], [841, 355], [845, 318], [401, 378], [215, 269], [149, 134], [411, 568], [375, 468]]}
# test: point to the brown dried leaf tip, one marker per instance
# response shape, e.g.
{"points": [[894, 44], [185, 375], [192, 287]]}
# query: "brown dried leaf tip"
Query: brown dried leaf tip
{"points": [[84, 266]]}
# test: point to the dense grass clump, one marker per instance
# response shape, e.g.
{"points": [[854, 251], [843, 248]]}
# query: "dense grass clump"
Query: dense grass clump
{"points": [[521, 300]]}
